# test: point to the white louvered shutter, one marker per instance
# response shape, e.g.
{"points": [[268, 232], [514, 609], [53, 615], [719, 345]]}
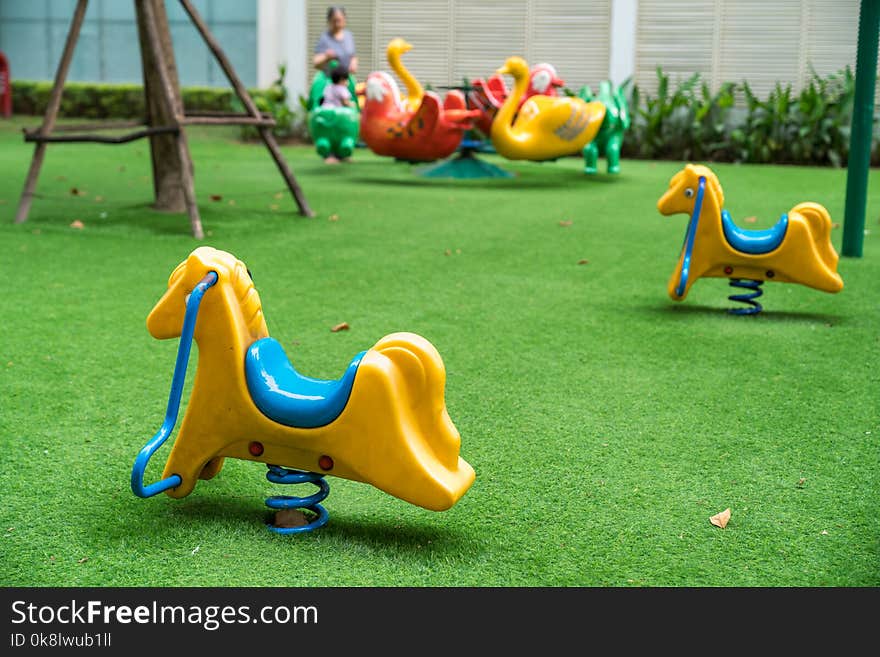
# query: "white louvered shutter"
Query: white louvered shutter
{"points": [[677, 35], [574, 36], [759, 41], [427, 26], [486, 34]]}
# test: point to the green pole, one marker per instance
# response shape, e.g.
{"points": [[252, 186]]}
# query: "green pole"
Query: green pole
{"points": [[862, 128]]}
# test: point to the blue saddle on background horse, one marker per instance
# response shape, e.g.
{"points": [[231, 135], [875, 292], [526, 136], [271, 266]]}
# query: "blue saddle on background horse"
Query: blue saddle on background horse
{"points": [[289, 398], [754, 242]]}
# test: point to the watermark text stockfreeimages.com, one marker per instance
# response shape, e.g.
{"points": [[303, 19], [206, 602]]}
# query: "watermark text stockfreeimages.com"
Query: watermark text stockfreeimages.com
{"points": [[210, 617]]}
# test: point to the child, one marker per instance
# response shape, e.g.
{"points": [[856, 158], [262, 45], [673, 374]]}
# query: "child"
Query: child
{"points": [[337, 94]]}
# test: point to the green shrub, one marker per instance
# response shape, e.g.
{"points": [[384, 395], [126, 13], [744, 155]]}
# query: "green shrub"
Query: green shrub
{"points": [[686, 121], [290, 123], [89, 100]]}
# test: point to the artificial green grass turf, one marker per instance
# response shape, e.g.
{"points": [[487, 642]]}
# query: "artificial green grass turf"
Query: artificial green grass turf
{"points": [[605, 422]]}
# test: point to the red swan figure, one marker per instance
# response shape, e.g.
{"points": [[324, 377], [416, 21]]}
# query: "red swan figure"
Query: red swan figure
{"points": [[419, 129]]}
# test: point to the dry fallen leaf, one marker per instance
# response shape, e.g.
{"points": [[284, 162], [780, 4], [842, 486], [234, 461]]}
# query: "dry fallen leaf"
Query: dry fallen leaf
{"points": [[232, 201], [343, 326], [583, 261], [750, 220], [566, 222], [76, 223], [99, 198], [122, 167], [74, 191], [447, 252], [721, 519], [83, 560], [274, 206], [278, 195], [824, 532], [333, 217], [290, 518], [835, 225], [3, 201], [216, 197], [802, 481]]}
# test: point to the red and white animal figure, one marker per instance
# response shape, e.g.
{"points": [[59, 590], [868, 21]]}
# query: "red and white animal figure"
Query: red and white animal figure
{"points": [[488, 95], [431, 132]]}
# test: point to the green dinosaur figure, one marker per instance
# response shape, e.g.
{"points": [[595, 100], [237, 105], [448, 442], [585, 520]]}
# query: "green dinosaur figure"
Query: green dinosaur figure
{"points": [[334, 130], [614, 125]]}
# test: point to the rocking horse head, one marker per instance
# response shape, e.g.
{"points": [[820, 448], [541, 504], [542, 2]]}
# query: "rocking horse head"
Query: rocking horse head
{"points": [[233, 282], [682, 195]]}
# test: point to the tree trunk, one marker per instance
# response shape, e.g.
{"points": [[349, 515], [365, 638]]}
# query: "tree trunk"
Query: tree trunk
{"points": [[164, 150]]}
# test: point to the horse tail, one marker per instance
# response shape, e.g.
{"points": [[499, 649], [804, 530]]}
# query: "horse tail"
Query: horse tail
{"points": [[819, 221]]}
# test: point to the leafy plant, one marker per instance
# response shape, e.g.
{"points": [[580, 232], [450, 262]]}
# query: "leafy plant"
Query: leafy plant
{"points": [[686, 120], [290, 122]]}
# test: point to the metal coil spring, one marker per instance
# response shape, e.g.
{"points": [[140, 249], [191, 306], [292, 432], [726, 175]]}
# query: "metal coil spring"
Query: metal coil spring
{"points": [[755, 291], [279, 475]]}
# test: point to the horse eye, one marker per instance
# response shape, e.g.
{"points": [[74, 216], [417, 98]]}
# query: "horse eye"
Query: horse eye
{"points": [[688, 192]]}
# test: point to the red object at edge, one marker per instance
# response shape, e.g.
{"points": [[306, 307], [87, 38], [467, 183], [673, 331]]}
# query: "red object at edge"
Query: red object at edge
{"points": [[5, 87]]}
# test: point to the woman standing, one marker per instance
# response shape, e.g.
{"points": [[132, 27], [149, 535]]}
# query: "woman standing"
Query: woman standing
{"points": [[336, 43]]}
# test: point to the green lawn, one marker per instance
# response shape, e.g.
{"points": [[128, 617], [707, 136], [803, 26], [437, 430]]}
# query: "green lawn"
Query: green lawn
{"points": [[605, 422]]}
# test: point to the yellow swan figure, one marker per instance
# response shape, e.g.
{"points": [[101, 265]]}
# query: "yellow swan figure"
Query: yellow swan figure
{"points": [[546, 127], [414, 91]]}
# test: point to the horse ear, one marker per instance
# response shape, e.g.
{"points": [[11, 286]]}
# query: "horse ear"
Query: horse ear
{"points": [[196, 259], [690, 168], [206, 257]]}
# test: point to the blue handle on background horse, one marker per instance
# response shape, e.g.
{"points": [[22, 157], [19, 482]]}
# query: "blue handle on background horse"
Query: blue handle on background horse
{"points": [[186, 338], [689, 238]]}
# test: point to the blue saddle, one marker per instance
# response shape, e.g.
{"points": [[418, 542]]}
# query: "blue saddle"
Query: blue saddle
{"points": [[754, 242], [289, 398]]}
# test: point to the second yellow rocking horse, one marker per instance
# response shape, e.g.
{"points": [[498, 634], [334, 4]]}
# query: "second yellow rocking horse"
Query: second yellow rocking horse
{"points": [[384, 422], [797, 249]]}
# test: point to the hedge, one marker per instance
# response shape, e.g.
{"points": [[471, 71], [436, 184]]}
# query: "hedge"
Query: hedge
{"points": [[114, 101]]}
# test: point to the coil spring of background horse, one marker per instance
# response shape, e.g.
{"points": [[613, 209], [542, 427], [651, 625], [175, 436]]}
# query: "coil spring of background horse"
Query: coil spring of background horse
{"points": [[279, 475], [755, 291]]}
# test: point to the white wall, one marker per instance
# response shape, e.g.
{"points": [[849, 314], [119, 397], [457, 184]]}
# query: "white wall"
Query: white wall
{"points": [[281, 30], [622, 60]]}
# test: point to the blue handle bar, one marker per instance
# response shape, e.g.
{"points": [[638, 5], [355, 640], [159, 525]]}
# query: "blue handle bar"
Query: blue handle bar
{"points": [[186, 338], [689, 239]]}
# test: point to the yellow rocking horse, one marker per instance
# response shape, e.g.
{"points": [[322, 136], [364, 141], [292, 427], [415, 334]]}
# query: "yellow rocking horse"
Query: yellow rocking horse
{"points": [[384, 422], [797, 249]]}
